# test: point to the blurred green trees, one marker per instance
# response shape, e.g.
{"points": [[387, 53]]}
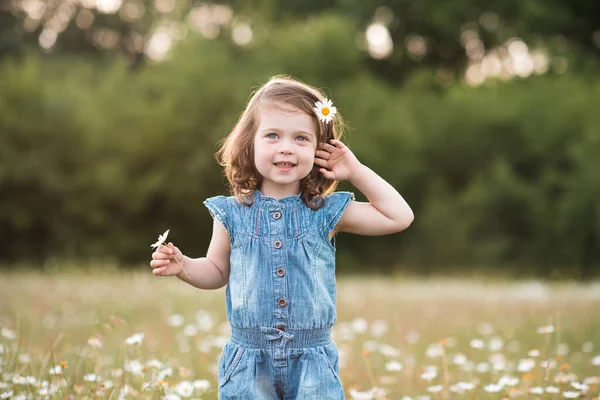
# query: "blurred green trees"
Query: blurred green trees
{"points": [[98, 158]]}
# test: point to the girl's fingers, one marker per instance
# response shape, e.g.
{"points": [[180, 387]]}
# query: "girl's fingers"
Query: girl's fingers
{"points": [[322, 154], [321, 162], [160, 256], [159, 263], [327, 174], [337, 143], [328, 147], [165, 250]]}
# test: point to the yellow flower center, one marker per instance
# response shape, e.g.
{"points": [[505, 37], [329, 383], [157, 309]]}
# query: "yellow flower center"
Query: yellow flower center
{"points": [[325, 111]]}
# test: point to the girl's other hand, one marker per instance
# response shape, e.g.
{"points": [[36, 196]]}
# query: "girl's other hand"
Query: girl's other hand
{"points": [[337, 161], [163, 260]]}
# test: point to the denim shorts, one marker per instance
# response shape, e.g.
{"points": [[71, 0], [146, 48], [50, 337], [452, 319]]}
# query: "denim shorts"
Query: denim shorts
{"points": [[270, 363]]}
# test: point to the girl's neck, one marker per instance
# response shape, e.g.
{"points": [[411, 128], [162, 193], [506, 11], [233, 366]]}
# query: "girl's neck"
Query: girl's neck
{"points": [[279, 191]]}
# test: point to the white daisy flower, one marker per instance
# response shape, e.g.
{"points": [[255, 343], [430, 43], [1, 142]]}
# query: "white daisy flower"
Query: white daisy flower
{"points": [[24, 358], [204, 320], [176, 320], [466, 385], [166, 372], [533, 353], [412, 337], [161, 239], [459, 359], [545, 329], [135, 367], [592, 380], [373, 393], [537, 390], [325, 110], [393, 366], [55, 370], [492, 388], [95, 342], [190, 330], [525, 365], [482, 367], [379, 327], [435, 389], [552, 389], [434, 350], [496, 344], [108, 384], [184, 388], [571, 395], [154, 363], [587, 347], [201, 385], [8, 333], [388, 351], [508, 381], [580, 386], [429, 374], [135, 339]]}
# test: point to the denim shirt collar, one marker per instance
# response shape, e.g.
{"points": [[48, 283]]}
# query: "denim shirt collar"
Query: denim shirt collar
{"points": [[263, 201]]}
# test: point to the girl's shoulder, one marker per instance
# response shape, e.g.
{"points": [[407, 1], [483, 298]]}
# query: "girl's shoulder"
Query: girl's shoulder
{"points": [[334, 207], [337, 197]]}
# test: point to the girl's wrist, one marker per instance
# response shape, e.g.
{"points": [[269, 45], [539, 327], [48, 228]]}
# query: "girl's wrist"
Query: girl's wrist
{"points": [[357, 171], [182, 264]]}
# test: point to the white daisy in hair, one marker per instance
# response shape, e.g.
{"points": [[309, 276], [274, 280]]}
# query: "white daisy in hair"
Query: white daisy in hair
{"points": [[325, 110]]}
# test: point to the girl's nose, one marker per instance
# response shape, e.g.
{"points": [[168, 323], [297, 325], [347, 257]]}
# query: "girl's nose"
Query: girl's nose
{"points": [[285, 147]]}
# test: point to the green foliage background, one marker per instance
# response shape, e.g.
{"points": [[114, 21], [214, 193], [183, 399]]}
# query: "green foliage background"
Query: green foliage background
{"points": [[98, 157]]}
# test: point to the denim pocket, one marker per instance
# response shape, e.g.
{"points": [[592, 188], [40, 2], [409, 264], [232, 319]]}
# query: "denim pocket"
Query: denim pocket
{"points": [[230, 366], [330, 354]]}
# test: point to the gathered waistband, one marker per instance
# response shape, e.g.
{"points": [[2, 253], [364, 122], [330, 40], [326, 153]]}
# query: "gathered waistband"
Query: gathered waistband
{"points": [[264, 337]]}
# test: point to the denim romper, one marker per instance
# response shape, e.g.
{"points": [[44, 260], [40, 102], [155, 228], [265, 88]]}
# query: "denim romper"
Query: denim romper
{"points": [[280, 299]]}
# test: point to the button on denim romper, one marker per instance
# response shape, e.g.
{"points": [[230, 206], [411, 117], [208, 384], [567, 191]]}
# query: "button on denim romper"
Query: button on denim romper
{"points": [[280, 299]]}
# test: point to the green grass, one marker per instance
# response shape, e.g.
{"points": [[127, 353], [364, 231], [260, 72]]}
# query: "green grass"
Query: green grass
{"points": [[420, 324]]}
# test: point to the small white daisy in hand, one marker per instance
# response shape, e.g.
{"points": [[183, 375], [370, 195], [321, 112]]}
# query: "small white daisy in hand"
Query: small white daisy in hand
{"points": [[161, 239], [325, 110], [161, 242]]}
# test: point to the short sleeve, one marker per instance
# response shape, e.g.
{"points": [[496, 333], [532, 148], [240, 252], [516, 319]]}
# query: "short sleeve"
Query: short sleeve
{"points": [[219, 208], [335, 206]]}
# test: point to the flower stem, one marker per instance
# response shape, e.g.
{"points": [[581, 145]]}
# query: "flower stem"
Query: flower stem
{"points": [[181, 265]]}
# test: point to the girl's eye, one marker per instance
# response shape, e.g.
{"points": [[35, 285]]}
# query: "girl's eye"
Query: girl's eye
{"points": [[272, 136], [304, 138]]}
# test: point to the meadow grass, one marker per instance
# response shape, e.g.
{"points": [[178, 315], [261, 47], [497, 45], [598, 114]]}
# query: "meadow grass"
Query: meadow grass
{"points": [[79, 335]]}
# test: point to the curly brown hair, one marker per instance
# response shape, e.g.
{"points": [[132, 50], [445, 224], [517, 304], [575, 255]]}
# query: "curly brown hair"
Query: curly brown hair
{"points": [[236, 153]]}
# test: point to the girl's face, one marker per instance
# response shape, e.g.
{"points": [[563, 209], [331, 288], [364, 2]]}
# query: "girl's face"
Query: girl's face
{"points": [[284, 150]]}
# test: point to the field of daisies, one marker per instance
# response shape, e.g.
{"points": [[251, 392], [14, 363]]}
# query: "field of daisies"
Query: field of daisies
{"points": [[132, 335]]}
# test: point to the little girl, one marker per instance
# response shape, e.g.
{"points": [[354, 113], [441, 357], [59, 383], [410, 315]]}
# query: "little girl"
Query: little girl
{"points": [[273, 242]]}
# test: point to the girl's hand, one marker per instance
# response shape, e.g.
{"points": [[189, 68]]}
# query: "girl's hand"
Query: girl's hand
{"points": [[337, 161], [164, 262]]}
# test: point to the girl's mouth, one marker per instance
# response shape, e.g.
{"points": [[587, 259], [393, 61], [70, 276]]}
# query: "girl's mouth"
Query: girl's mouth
{"points": [[284, 166]]}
